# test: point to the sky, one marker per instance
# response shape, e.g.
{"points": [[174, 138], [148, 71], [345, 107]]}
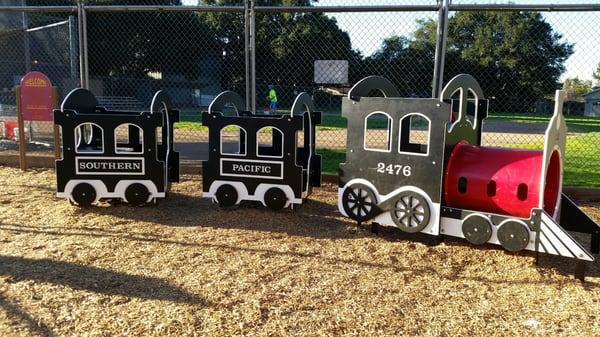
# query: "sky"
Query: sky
{"points": [[368, 30]]}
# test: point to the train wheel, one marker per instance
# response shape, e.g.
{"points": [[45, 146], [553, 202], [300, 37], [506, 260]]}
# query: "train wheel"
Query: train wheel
{"points": [[83, 194], [226, 195], [137, 194], [275, 198], [411, 212], [359, 202], [477, 229], [513, 236]]}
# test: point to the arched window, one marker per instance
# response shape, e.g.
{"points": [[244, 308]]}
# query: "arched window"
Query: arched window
{"points": [[378, 129], [415, 130], [233, 140], [129, 138], [269, 142], [89, 138]]}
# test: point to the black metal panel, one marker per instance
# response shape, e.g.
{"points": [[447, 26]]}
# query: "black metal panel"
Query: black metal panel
{"points": [[109, 166], [424, 171], [258, 165], [572, 218]]}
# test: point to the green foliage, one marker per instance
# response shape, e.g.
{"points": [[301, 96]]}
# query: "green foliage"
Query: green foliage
{"points": [[596, 74], [516, 56], [575, 88]]}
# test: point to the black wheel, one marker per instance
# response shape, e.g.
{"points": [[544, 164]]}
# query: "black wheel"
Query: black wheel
{"points": [[226, 195], [477, 229], [275, 198], [359, 202], [513, 236], [410, 212], [83, 194], [137, 194]]}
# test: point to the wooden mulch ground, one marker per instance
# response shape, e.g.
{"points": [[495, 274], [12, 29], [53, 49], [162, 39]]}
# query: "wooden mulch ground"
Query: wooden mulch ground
{"points": [[188, 268]]}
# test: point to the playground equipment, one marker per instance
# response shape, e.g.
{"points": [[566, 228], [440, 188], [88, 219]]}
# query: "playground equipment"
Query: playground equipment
{"points": [[265, 158], [125, 155], [427, 172]]}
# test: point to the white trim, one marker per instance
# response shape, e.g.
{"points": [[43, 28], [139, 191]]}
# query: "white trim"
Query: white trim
{"points": [[409, 132], [385, 219], [239, 142], [389, 131], [140, 132], [102, 192], [258, 193], [111, 173], [474, 123], [272, 145], [250, 161], [80, 136]]}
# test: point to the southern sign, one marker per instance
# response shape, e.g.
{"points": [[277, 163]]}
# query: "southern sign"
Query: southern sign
{"points": [[252, 168], [109, 166], [35, 97]]}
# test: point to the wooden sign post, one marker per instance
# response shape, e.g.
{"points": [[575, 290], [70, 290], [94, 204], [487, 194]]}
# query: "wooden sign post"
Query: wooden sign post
{"points": [[36, 100]]}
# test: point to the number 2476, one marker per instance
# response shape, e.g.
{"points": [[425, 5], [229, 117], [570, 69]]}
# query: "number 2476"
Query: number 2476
{"points": [[405, 170]]}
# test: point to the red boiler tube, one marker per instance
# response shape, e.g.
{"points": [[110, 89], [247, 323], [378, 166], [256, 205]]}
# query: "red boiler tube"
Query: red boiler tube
{"points": [[499, 180]]}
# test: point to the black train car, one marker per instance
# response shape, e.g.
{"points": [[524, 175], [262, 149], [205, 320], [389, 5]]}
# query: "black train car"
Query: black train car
{"points": [[279, 171], [125, 155], [418, 164]]}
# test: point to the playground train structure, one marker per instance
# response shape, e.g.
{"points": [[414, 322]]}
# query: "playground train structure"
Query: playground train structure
{"points": [[412, 163]]}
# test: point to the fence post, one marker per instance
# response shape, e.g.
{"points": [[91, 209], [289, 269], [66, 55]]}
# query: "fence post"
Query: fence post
{"points": [[247, 52], [83, 53], [252, 57], [440, 48]]}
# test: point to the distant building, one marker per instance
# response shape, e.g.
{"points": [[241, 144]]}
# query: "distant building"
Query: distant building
{"points": [[592, 103]]}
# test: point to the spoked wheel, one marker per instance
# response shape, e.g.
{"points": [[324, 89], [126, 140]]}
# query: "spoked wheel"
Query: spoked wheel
{"points": [[226, 195], [411, 212], [275, 198], [83, 194], [137, 194], [359, 202]]}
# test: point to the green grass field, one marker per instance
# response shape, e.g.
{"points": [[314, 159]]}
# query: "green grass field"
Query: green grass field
{"points": [[581, 164]]}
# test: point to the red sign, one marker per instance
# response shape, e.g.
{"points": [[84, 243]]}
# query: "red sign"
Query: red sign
{"points": [[36, 97]]}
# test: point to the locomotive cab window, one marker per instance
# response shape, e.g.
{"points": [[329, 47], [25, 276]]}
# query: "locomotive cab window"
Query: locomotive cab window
{"points": [[415, 131], [233, 140], [89, 138], [378, 129], [269, 142], [129, 138]]}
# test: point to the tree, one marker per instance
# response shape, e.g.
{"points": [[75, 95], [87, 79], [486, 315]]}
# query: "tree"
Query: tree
{"points": [[516, 56], [596, 74], [575, 88], [287, 44]]}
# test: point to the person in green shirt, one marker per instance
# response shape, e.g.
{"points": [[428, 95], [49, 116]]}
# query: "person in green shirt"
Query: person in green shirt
{"points": [[272, 99]]}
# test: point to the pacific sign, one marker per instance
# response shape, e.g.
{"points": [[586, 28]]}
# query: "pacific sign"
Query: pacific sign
{"points": [[252, 168], [109, 166]]}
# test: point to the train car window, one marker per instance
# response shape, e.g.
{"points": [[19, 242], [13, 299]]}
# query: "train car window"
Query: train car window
{"points": [[491, 188], [159, 139], [233, 140], [269, 142], [129, 138], [378, 129], [462, 185], [415, 130], [522, 190], [89, 138]]}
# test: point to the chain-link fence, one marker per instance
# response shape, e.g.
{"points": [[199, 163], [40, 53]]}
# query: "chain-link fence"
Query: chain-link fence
{"points": [[196, 49]]}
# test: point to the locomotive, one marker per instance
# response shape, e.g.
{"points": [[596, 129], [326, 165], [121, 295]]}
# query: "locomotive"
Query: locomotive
{"points": [[428, 173], [115, 154], [272, 160]]}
